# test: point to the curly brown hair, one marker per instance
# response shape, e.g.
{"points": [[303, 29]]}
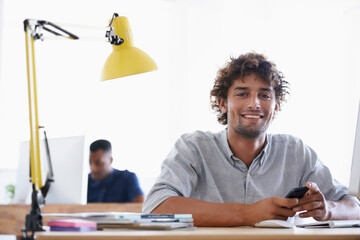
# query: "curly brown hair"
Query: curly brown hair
{"points": [[243, 66]]}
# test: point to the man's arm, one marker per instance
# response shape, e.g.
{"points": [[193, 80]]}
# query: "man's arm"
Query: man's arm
{"points": [[316, 206], [138, 199], [228, 214], [135, 193]]}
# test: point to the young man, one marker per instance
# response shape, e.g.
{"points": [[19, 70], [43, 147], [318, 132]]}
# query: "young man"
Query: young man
{"points": [[239, 176], [106, 184]]}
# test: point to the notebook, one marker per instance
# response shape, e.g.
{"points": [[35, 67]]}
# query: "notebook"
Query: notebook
{"points": [[321, 224], [332, 224]]}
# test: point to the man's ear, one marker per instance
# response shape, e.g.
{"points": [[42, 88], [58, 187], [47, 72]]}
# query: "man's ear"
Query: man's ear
{"points": [[222, 105], [277, 108], [111, 160]]}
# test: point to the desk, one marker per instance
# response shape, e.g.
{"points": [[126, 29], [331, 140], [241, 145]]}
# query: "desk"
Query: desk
{"points": [[12, 217], [210, 234]]}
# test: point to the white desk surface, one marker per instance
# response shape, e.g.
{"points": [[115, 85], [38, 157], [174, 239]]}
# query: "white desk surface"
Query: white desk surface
{"points": [[210, 233]]}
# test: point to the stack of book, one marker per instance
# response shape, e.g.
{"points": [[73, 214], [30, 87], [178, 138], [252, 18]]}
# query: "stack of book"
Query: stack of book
{"points": [[120, 220]]}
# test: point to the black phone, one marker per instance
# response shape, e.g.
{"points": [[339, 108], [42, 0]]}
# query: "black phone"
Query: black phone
{"points": [[297, 192]]}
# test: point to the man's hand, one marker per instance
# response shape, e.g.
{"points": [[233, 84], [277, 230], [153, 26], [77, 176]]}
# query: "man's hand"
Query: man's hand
{"points": [[314, 203], [270, 208]]}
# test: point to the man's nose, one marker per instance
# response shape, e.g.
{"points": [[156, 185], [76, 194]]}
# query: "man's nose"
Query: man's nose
{"points": [[254, 102]]}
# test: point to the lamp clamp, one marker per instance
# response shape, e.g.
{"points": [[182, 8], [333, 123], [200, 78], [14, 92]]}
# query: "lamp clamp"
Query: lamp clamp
{"points": [[33, 222]]}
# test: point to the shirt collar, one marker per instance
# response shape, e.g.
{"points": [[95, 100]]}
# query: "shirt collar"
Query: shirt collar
{"points": [[230, 156], [266, 150], [225, 143]]}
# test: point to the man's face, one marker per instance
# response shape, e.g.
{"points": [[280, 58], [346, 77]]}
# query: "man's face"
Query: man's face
{"points": [[250, 106], [100, 164]]}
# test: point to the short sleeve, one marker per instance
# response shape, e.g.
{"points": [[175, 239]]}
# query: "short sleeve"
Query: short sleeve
{"points": [[320, 174], [178, 177], [133, 186]]}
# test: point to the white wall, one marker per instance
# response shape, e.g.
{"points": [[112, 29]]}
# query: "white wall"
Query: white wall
{"points": [[314, 43], [1, 52]]}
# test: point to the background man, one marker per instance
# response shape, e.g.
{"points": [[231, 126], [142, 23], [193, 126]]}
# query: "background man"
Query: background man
{"points": [[239, 176], [106, 184]]}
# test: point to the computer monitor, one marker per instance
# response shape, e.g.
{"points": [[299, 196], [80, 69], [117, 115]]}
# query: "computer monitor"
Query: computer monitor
{"points": [[354, 186], [69, 160]]}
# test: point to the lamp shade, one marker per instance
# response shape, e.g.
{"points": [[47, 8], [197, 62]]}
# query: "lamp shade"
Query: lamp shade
{"points": [[125, 59]]}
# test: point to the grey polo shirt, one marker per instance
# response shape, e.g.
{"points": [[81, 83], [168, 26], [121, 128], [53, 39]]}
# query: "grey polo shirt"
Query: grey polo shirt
{"points": [[202, 166]]}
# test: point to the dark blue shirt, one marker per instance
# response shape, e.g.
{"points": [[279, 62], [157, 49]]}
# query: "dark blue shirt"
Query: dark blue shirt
{"points": [[119, 186]]}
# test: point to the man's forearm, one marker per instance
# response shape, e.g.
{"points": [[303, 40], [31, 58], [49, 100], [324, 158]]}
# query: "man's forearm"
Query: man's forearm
{"points": [[229, 214], [344, 209], [204, 213], [138, 199]]}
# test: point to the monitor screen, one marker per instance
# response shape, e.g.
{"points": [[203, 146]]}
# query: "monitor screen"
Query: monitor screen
{"points": [[354, 186], [69, 160]]}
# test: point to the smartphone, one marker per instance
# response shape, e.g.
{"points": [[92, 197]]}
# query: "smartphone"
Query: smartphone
{"points": [[297, 192]]}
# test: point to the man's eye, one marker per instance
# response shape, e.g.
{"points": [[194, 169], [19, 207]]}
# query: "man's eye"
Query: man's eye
{"points": [[265, 96], [241, 94]]}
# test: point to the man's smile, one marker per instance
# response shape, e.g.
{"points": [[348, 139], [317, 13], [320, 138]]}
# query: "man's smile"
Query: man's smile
{"points": [[252, 116]]}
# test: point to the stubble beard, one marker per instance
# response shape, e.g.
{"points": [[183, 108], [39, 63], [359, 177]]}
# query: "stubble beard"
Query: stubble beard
{"points": [[248, 131]]}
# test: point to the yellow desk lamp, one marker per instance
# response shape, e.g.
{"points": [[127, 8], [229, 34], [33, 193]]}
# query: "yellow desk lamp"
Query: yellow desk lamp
{"points": [[125, 60]]}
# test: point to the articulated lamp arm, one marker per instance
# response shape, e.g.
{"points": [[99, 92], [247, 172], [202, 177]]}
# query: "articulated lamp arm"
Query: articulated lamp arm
{"points": [[125, 60], [33, 221], [33, 31]]}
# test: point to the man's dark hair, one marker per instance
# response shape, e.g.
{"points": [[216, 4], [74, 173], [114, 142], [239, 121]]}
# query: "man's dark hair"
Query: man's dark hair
{"points": [[240, 67], [103, 144]]}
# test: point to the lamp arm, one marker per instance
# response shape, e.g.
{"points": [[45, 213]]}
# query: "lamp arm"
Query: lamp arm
{"points": [[69, 34], [36, 27], [33, 31], [33, 221], [35, 168]]}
